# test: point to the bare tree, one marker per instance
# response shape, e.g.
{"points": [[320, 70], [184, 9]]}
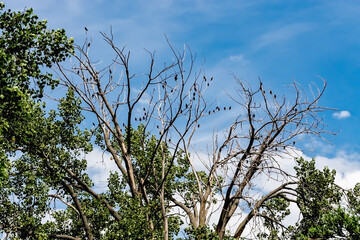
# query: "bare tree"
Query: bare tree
{"points": [[169, 102], [266, 129]]}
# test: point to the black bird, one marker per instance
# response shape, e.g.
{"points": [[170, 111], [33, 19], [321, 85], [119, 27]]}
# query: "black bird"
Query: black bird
{"points": [[176, 77], [230, 108], [86, 29]]}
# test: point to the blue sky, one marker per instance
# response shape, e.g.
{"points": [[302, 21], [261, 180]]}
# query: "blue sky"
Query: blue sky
{"points": [[277, 41]]}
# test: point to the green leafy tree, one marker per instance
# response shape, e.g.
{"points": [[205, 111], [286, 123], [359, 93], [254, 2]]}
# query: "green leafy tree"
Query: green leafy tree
{"points": [[26, 46], [327, 211], [54, 150]]}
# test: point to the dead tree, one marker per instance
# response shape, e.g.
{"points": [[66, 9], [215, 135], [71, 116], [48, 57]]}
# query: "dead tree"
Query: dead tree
{"points": [[266, 128], [169, 102]]}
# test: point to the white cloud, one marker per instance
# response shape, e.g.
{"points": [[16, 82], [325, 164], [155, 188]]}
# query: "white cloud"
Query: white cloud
{"points": [[281, 34], [342, 114], [347, 166], [238, 58], [99, 167]]}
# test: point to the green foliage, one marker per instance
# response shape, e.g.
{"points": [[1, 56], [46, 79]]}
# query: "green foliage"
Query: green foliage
{"points": [[147, 153], [56, 145], [26, 47], [327, 211], [275, 210], [204, 233], [317, 197], [134, 212]]}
